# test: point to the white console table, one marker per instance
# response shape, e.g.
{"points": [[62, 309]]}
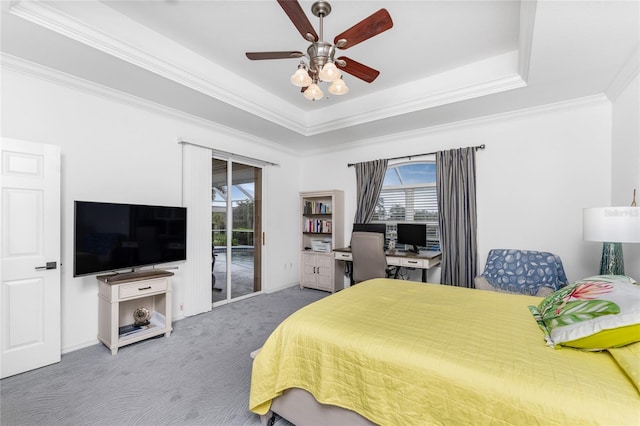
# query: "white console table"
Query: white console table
{"points": [[119, 295]]}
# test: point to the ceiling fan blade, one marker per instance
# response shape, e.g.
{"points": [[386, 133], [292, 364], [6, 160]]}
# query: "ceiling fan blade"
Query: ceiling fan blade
{"points": [[294, 11], [258, 56], [365, 29], [357, 69]]}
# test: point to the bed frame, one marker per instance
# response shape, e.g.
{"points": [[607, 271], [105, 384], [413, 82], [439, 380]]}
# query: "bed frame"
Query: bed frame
{"points": [[300, 408]]}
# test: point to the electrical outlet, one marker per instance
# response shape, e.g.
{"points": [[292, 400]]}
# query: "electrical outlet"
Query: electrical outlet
{"points": [[181, 306]]}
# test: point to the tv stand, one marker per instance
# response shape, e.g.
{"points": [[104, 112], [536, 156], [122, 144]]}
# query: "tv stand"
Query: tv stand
{"points": [[119, 295], [133, 275]]}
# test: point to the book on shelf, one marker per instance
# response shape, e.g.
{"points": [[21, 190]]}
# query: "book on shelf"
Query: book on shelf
{"points": [[318, 226], [316, 207], [127, 330], [157, 321]]}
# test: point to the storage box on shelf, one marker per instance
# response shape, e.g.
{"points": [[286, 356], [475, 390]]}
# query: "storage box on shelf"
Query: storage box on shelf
{"points": [[119, 295], [322, 226]]}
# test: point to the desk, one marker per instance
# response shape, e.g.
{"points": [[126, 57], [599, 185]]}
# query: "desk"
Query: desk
{"points": [[423, 260]]}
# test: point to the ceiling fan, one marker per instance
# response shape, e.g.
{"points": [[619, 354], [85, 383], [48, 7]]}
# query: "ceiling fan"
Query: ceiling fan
{"points": [[322, 64]]}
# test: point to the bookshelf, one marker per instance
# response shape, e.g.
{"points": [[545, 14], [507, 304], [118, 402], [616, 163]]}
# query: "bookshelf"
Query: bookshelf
{"points": [[322, 230]]}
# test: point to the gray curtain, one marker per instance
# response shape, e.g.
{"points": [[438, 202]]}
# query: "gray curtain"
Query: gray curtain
{"points": [[456, 189], [369, 178]]}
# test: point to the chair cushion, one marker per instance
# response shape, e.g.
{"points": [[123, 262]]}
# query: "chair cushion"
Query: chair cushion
{"points": [[524, 271], [482, 284]]}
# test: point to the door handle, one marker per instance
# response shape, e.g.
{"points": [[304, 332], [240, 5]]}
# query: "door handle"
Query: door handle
{"points": [[49, 265]]}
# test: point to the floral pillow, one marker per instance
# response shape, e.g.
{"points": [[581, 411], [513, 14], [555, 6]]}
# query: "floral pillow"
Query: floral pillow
{"points": [[594, 313]]}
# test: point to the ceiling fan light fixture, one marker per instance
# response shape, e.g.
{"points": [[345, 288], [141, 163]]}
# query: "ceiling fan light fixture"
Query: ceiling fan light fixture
{"points": [[301, 77], [330, 72], [313, 92], [321, 65], [338, 87]]}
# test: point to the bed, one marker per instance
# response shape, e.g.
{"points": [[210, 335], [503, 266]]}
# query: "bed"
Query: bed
{"points": [[394, 352]]}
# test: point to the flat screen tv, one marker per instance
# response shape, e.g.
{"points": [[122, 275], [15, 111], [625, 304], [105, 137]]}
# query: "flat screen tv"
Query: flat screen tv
{"points": [[111, 237]]}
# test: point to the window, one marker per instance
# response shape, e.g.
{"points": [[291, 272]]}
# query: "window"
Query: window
{"points": [[409, 195]]}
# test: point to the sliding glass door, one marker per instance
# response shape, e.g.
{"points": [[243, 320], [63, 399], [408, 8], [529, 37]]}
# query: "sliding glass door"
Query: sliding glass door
{"points": [[236, 224]]}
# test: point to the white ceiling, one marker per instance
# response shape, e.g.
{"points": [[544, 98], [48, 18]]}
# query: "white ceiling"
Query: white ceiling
{"points": [[443, 61]]}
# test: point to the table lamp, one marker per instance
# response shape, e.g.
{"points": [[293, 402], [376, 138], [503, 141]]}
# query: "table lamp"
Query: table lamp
{"points": [[612, 226]]}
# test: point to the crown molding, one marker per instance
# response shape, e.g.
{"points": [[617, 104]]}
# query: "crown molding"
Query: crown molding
{"points": [[425, 102], [625, 76], [525, 40], [482, 78], [34, 70], [456, 125]]}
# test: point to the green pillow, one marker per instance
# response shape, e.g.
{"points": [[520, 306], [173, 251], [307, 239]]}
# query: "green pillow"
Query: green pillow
{"points": [[595, 313]]}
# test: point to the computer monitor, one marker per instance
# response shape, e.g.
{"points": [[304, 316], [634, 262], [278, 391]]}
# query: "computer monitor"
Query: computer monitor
{"points": [[413, 234]]}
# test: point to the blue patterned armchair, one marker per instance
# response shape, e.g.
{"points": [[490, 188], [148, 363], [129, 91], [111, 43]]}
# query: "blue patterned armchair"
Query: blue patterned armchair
{"points": [[536, 273]]}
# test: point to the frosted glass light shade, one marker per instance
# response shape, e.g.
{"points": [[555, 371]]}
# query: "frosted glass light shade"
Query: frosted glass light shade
{"points": [[611, 224], [338, 87], [301, 78], [313, 92], [329, 72]]}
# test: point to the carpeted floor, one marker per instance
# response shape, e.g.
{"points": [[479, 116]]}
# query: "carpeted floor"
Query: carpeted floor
{"points": [[200, 375]]}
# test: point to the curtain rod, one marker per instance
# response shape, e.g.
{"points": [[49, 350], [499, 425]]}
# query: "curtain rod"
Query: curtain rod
{"points": [[417, 155]]}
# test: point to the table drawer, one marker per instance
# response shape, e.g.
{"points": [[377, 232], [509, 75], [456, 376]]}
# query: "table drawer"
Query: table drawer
{"points": [[412, 263], [343, 256], [137, 289], [394, 261]]}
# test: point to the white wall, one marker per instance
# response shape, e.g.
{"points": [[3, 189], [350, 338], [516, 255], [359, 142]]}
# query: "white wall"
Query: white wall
{"points": [[625, 170], [119, 152], [539, 170]]}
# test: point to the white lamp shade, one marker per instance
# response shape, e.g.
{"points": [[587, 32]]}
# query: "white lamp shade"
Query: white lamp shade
{"points": [[329, 72], [611, 224], [338, 87], [313, 92], [301, 78]]}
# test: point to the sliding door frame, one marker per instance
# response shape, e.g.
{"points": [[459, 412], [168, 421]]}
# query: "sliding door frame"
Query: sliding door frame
{"points": [[194, 296], [258, 239]]}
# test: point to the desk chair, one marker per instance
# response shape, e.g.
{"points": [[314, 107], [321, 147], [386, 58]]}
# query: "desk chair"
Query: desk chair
{"points": [[369, 261]]}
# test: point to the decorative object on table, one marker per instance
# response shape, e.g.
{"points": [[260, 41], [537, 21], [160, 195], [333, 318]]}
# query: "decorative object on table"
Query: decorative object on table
{"points": [[612, 226], [141, 316]]}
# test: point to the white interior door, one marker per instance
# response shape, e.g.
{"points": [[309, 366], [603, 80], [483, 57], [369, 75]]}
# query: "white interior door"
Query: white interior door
{"points": [[30, 256]]}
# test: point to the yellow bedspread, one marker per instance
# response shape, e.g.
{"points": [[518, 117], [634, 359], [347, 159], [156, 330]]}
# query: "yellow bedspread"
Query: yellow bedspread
{"points": [[401, 353]]}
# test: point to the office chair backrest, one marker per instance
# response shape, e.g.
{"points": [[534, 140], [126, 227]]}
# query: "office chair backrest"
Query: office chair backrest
{"points": [[369, 261]]}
